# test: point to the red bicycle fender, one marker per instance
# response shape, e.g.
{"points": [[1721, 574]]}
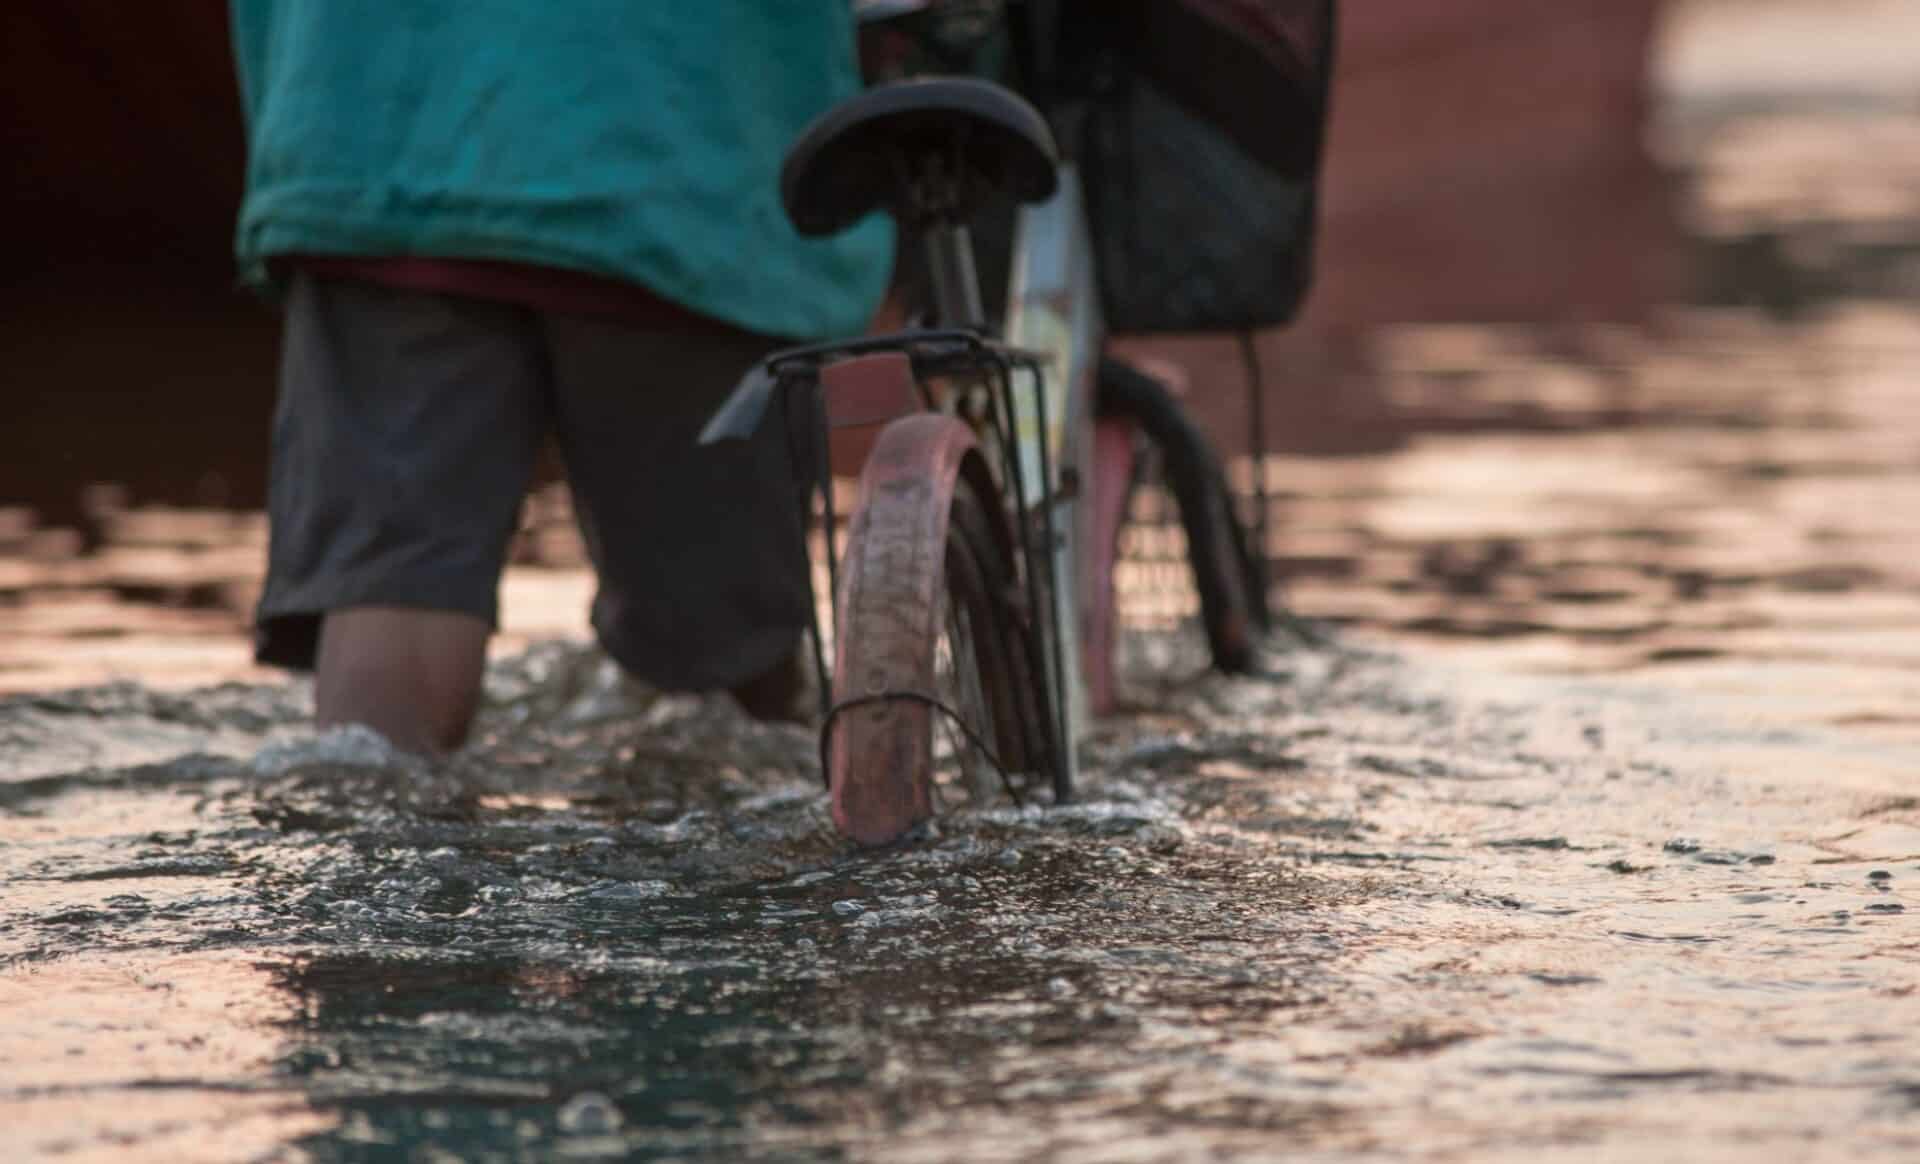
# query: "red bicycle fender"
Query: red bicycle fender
{"points": [[1112, 479], [878, 758]]}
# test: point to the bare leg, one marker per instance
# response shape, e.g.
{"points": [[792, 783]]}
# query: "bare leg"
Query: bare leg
{"points": [[411, 675]]}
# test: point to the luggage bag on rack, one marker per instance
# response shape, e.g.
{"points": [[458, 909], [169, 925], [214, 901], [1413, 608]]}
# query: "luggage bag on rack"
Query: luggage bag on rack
{"points": [[1198, 126]]}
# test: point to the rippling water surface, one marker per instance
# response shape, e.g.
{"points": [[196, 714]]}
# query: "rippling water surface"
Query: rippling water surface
{"points": [[1359, 907]]}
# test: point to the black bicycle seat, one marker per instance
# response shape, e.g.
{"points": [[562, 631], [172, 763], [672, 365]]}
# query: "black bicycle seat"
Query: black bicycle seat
{"points": [[860, 155]]}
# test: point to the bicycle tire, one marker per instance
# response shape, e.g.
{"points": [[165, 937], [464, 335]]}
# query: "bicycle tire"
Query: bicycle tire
{"points": [[1230, 580], [883, 769]]}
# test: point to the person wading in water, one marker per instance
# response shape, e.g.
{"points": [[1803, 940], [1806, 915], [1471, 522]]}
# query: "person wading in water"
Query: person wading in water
{"points": [[490, 223]]}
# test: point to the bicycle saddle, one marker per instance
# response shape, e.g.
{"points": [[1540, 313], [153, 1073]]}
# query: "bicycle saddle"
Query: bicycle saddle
{"points": [[926, 149]]}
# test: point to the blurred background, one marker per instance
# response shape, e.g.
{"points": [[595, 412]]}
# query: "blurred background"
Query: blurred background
{"points": [[1608, 364]]}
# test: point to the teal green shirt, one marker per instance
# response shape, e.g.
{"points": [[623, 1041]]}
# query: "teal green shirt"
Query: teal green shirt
{"points": [[637, 139]]}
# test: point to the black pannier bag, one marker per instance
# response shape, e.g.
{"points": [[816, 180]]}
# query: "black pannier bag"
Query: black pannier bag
{"points": [[1198, 127]]}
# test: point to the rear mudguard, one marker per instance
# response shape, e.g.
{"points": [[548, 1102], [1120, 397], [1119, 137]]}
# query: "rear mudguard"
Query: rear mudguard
{"points": [[878, 751], [1112, 484]]}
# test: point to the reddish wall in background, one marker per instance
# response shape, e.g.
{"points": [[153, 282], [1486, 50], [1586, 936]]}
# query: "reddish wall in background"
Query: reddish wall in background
{"points": [[1488, 161], [121, 135], [126, 352]]}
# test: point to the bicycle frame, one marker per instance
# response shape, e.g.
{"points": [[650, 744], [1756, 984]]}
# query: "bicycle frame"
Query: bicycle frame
{"points": [[1001, 467], [1053, 308], [1026, 395]]}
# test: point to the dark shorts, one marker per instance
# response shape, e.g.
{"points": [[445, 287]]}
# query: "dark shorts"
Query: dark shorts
{"points": [[403, 444]]}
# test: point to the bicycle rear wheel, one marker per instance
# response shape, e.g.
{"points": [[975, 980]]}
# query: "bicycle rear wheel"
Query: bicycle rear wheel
{"points": [[939, 693], [1230, 580]]}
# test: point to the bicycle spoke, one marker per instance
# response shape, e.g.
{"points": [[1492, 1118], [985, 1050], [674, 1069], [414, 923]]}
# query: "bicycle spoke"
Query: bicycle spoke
{"points": [[958, 684]]}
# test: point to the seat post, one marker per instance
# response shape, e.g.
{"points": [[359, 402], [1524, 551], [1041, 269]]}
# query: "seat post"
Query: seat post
{"points": [[955, 285]]}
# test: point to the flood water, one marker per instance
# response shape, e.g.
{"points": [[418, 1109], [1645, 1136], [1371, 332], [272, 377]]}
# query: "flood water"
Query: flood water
{"points": [[1593, 833], [1364, 906]]}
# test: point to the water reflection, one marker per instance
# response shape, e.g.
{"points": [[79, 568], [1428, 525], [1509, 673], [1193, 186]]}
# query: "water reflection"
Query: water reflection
{"points": [[478, 1055], [1681, 504]]}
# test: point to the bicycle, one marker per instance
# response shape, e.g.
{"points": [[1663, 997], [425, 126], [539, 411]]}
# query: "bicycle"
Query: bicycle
{"points": [[972, 605]]}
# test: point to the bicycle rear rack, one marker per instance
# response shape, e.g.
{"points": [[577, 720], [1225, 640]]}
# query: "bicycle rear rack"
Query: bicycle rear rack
{"points": [[792, 377]]}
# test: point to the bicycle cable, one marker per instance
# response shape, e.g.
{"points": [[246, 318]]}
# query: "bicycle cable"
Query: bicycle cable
{"points": [[939, 705]]}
